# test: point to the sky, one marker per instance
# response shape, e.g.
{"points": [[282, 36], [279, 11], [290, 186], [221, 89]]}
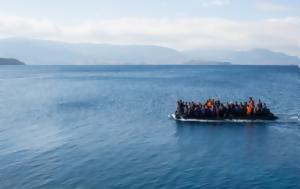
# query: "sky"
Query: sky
{"points": [[179, 24]]}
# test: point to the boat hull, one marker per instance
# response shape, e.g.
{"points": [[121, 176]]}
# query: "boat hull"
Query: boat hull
{"points": [[270, 117]]}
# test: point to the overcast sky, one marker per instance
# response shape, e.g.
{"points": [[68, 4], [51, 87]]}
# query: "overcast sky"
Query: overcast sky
{"points": [[180, 24]]}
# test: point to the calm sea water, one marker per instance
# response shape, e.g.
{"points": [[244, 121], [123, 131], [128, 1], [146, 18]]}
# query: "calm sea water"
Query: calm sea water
{"points": [[108, 127]]}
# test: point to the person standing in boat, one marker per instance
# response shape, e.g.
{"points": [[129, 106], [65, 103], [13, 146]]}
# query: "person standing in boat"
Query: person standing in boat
{"points": [[251, 102]]}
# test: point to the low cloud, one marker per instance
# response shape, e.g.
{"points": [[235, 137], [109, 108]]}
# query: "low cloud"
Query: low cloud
{"points": [[280, 34], [272, 7], [215, 3]]}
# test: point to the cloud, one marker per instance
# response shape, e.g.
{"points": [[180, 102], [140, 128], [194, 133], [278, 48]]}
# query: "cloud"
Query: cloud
{"points": [[27, 27], [278, 34], [208, 3], [272, 7]]}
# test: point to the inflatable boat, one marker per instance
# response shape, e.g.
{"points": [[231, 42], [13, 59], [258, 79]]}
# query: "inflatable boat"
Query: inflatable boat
{"points": [[253, 118]]}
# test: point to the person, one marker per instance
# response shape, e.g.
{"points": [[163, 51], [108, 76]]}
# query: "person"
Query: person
{"points": [[249, 110], [197, 111], [225, 110], [242, 109], [237, 109], [251, 102], [216, 109], [203, 111], [178, 108], [259, 104], [189, 107], [245, 108], [209, 103], [217, 103], [185, 109], [265, 109], [207, 111], [221, 110], [231, 109], [213, 110]]}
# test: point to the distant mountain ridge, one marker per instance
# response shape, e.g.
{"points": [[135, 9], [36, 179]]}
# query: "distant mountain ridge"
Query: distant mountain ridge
{"points": [[10, 61], [52, 52], [46, 52], [249, 57]]}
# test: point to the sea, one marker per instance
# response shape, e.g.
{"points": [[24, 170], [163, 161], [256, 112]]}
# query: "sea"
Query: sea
{"points": [[91, 127]]}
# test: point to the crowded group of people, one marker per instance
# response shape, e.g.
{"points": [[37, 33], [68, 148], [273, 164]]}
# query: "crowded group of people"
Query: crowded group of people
{"points": [[215, 109]]}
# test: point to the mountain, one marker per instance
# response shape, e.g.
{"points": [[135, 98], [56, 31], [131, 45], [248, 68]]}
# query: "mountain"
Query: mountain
{"points": [[253, 56], [45, 52], [10, 61]]}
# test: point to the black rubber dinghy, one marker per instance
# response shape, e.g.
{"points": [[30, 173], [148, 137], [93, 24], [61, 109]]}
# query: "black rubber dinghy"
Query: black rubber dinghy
{"points": [[261, 118]]}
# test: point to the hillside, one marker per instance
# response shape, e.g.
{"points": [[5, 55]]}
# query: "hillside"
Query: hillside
{"points": [[10, 61], [249, 57], [42, 52]]}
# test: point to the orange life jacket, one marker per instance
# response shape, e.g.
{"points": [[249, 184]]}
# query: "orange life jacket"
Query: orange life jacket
{"points": [[209, 104], [249, 110]]}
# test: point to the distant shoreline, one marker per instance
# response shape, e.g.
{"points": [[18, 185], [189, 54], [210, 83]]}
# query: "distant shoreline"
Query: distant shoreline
{"points": [[160, 65], [11, 62]]}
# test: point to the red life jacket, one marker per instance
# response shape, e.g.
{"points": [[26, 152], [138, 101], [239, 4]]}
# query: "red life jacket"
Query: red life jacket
{"points": [[252, 103]]}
